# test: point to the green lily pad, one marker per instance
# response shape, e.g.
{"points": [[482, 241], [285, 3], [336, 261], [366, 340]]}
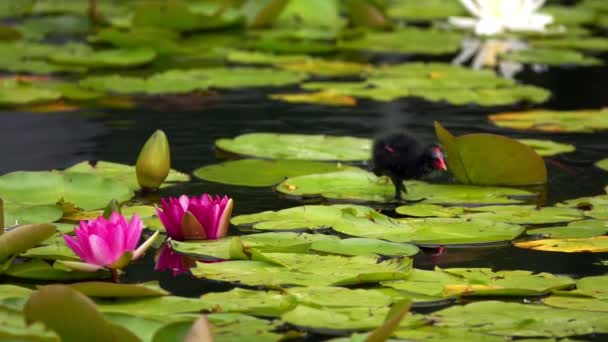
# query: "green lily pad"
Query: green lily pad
{"points": [[185, 81], [143, 327], [123, 173], [548, 148], [114, 58], [14, 328], [298, 146], [37, 269], [160, 305], [25, 214], [22, 238], [550, 57], [15, 94], [577, 43], [577, 229], [38, 28], [305, 270], [595, 207], [593, 286], [226, 327], [406, 40], [526, 214], [52, 249], [554, 121], [104, 289], [338, 297], [602, 164], [577, 303], [336, 319], [570, 15], [596, 244], [273, 242], [365, 186], [425, 10], [429, 210], [521, 320], [258, 172], [479, 158], [436, 82], [85, 191], [21, 56], [162, 41], [79, 321], [362, 246], [434, 334], [260, 303]]}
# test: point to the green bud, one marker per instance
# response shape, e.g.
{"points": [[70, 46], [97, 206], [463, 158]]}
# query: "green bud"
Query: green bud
{"points": [[154, 162], [112, 207]]}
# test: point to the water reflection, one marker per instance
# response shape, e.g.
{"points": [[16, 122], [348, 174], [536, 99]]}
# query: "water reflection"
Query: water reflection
{"points": [[486, 53], [168, 259]]}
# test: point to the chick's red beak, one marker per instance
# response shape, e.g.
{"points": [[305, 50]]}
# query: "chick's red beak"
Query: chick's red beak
{"points": [[439, 158]]}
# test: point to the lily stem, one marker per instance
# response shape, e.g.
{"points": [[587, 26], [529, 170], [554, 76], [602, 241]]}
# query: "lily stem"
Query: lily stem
{"points": [[115, 275]]}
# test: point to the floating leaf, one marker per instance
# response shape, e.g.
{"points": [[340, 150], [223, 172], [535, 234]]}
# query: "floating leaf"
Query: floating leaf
{"points": [[556, 57], [526, 214], [104, 289], [298, 146], [86, 191], [21, 56], [548, 148], [577, 303], [338, 297], [115, 58], [324, 97], [597, 244], [79, 320], [406, 40], [554, 121], [577, 43], [123, 173], [521, 320], [14, 328], [15, 94], [321, 67], [25, 214], [436, 334], [260, 303], [37, 269], [425, 10], [602, 164], [305, 270], [185, 81], [365, 186], [160, 305], [337, 319], [362, 246], [490, 159], [577, 229], [258, 172], [273, 242]]}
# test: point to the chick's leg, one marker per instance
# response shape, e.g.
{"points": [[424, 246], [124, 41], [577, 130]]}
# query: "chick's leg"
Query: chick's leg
{"points": [[399, 187]]}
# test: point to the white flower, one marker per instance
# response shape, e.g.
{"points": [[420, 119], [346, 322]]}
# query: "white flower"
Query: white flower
{"points": [[497, 16]]}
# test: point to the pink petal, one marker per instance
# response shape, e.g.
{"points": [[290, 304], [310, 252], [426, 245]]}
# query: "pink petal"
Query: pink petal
{"points": [[102, 255], [75, 246], [133, 233], [172, 228], [184, 202]]}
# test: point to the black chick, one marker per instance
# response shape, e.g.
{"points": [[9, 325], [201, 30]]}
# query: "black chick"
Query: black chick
{"points": [[400, 157]]}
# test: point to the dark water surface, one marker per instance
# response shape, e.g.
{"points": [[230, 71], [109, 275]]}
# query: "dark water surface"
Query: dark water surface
{"points": [[31, 141]]}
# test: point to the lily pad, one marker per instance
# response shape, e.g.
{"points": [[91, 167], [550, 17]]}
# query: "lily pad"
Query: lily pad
{"points": [[577, 303], [521, 320], [337, 319], [26, 214], [15, 94], [85, 191], [424, 10], [555, 57], [21, 56], [362, 246], [273, 242], [554, 121], [577, 229], [80, 319], [548, 148], [14, 328], [481, 158], [602, 164], [298, 146], [305, 270], [577, 43], [593, 286], [323, 97], [160, 305], [185, 81], [597, 244], [406, 40], [123, 173], [116, 58], [260, 303], [258, 172], [526, 214], [434, 334], [37, 269], [429, 210], [104, 289], [339, 297], [321, 67], [365, 186]]}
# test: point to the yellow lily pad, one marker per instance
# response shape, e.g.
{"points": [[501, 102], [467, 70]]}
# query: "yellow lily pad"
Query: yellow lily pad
{"points": [[597, 244], [554, 121], [325, 97]]}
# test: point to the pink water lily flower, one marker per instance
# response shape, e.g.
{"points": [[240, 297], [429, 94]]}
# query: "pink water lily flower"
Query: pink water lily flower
{"points": [[196, 217], [109, 243]]}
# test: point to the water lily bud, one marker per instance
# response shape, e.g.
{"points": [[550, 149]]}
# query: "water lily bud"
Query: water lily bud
{"points": [[154, 162]]}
